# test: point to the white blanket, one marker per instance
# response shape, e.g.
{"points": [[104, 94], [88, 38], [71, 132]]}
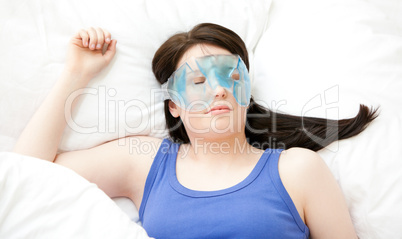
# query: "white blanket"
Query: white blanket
{"points": [[39, 199]]}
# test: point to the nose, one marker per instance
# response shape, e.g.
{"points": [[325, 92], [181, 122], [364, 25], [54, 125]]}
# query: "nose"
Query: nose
{"points": [[220, 92]]}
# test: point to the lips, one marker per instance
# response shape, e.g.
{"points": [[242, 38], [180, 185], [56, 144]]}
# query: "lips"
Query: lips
{"points": [[219, 109]]}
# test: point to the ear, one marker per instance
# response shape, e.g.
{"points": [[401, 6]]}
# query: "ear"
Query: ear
{"points": [[174, 110]]}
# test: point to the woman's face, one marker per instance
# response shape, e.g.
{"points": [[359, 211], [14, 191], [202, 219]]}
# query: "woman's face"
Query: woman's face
{"points": [[223, 117]]}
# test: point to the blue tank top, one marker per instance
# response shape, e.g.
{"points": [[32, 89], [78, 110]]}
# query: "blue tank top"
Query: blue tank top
{"points": [[257, 207]]}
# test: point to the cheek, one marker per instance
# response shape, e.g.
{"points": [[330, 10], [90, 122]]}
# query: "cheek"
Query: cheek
{"points": [[241, 117]]}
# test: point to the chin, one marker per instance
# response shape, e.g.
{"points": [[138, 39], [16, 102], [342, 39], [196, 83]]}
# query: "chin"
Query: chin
{"points": [[217, 126]]}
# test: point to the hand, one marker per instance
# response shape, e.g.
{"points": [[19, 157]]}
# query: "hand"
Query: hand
{"points": [[85, 56]]}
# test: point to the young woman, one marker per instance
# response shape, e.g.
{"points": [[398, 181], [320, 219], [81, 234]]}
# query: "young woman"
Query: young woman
{"points": [[217, 176]]}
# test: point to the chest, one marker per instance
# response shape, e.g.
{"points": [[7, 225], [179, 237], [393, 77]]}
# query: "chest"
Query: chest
{"points": [[237, 214], [250, 209], [208, 178], [215, 174]]}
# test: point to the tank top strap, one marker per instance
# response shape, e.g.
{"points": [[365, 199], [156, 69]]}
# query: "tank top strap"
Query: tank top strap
{"points": [[280, 188]]}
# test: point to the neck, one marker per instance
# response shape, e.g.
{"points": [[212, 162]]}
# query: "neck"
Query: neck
{"points": [[224, 149]]}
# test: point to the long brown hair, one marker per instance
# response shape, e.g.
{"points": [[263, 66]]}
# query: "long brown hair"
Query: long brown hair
{"points": [[269, 129]]}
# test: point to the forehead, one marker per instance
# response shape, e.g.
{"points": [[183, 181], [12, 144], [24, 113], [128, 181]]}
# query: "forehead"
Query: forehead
{"points": [[202, 50]]}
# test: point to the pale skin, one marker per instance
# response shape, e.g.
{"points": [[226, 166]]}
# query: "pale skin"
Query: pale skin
{"points": [[119, 172]]}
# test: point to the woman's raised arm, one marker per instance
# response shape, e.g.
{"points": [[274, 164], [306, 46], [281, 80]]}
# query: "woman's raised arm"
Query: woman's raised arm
{"points": [[119, 170], [85, 60]]}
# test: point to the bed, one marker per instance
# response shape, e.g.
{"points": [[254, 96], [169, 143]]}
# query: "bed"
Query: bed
{"points": [[309, 58]]}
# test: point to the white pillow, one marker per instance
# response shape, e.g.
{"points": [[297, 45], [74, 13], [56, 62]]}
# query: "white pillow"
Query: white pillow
{"points": [[35, 37], [40, 199], [324, 58]]}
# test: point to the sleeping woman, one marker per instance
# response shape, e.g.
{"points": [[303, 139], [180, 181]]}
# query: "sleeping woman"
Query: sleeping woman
{"points": [[218, 175]]}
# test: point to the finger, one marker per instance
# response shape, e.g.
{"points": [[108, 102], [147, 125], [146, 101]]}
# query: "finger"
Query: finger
{"points": [[84, 37], [108, 36], [93, 38], [101, 38], [111, 50]]}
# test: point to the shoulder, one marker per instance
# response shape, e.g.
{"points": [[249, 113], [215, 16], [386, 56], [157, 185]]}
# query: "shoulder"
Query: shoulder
{"points": [[302, 159], [138, 151], [302, 172], [140, 143], [133, 148], [302, 163], [142, 149], [316, 194]]}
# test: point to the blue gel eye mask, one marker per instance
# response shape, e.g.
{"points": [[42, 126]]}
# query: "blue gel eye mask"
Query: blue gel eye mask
{"points": [[192, 86]]}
